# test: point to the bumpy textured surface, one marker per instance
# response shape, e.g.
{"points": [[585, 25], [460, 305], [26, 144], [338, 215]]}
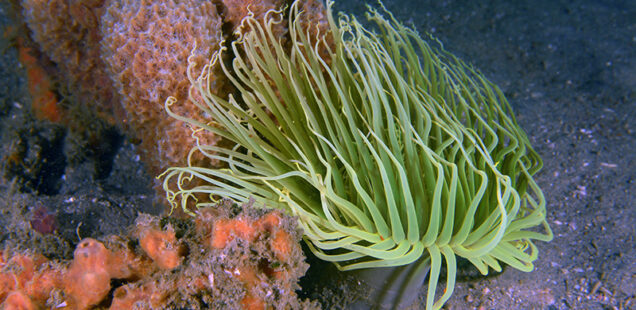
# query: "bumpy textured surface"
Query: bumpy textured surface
{"points": [[232, 257], [123, 58], [146, 47]]}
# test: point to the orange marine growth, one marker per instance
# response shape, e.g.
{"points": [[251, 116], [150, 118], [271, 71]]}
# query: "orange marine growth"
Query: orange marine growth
{"points": [[44, 101], [281, 244], [160, 245], [225, 230], [17, 300], [26, 281], [250, 259], [87, 281], [42, 283]]}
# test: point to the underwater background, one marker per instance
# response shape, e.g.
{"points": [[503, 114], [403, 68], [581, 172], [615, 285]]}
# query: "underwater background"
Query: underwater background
{"points": [[568, 68]]}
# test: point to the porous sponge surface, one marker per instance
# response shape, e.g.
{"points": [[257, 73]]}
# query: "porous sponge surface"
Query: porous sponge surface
{"points": [[121, 59], [146, 47]]}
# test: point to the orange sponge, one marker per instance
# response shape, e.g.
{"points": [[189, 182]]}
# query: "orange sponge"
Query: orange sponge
{"points": [[225, 230], [124, 262], [87, 281], [160, 245], [146, 46], [27, 280], [43, 282], [17, 300], [44, 102], [121, 59], [245, 260]]}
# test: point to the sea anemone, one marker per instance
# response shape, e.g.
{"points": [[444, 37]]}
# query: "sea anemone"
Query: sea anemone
{"points": [[389, 151]]}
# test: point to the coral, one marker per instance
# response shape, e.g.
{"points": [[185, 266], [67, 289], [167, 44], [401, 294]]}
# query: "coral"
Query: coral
{"points": [[43, 282], [18, 301], [87, 281], [160, 245], [122, 59], [226, 230], [249, 232], [124, 261], [146, 46], [26, 280], [255, 266]]}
